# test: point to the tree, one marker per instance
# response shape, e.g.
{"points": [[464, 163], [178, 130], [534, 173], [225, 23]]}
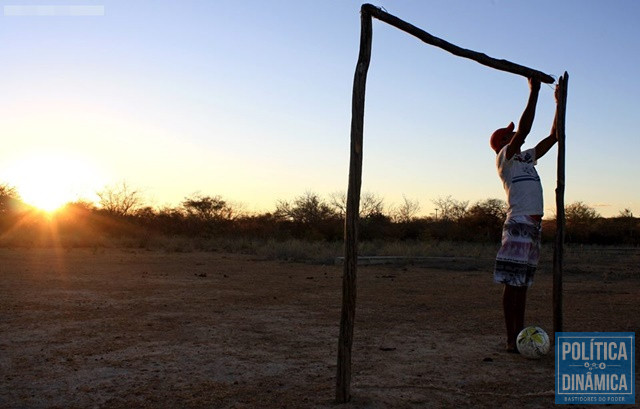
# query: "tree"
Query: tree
{"points": [[625, 227], [77, 217], [82, 204], [450, 209], [79, 209], [484, 219], [407, 211], [491, 210], [371, 205], [579, 213], [145, 212], [9, 198], [625, 214], [120, 199], [208, 207], [307, 208], [581, 222]]}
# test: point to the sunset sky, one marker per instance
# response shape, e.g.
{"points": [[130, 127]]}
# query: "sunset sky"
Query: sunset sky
{"points": [[251, 100]]}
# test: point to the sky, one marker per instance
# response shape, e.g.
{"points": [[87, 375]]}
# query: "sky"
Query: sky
{"points": [[251, 100]]}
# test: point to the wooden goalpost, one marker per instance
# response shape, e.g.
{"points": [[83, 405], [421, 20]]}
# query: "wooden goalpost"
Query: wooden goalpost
{"points": [[345, 340]]}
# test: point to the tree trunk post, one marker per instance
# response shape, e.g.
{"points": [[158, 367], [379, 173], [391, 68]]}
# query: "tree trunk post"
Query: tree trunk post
{"points": [[558, 252], [345, 340]]}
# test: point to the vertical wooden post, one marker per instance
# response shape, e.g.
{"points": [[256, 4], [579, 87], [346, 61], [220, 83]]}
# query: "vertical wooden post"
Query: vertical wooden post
{"points": [[345, 341], [558, 252]]}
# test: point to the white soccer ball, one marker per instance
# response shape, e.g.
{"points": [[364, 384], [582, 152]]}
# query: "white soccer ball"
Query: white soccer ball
{"points": [[533, 342]]}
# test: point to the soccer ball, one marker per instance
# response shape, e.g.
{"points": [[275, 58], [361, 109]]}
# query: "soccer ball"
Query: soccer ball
{"points": [[533, 342]]}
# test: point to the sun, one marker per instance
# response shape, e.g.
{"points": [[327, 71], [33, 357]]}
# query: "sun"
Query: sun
{"points": [[50, 180]]}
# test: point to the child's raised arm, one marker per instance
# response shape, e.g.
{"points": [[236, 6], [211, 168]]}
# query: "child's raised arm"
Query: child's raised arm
{"points": [[544, 145], [526, 120]]}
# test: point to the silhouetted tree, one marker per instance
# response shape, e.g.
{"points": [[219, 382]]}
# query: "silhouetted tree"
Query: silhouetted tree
{"points": [[307, 208], [578, 212], [450, 209], [406, 212], [370, 204], [120, 199], [581, 222], [485, 219], [489, 210], [208, 208], [9, 199], [625, 214], [624, 228], [309, 217]]}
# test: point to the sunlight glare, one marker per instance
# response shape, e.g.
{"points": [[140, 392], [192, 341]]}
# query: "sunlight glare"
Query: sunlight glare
{"points": [[48, 181]]}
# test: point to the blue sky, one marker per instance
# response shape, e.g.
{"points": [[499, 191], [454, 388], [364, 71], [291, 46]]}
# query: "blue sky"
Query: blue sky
{"points": [[251, 100]]}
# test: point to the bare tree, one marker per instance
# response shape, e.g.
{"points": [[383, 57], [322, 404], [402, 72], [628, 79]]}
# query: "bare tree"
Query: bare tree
{"points": [[120, 199], [450, 209], [370, 204], [406, 212], [338, 202]]}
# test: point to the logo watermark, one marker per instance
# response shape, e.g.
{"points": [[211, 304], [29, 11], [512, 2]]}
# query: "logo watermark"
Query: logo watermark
{"points": [[52, 10], [595, 367]]}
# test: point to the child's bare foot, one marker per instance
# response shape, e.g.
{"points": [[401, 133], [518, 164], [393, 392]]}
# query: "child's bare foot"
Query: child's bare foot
{"points": [[511, 348]]}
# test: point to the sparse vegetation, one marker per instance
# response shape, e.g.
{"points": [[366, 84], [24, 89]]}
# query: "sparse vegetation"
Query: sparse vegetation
{"points": [[307, 228]]}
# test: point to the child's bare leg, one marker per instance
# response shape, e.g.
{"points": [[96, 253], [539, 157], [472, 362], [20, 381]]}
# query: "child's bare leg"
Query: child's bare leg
{"points": [[513, 302], [509, 307], [521, 302]]}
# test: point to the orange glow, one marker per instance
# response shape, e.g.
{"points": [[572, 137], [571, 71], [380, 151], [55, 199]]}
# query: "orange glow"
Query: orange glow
{"points": [[48, 181]]}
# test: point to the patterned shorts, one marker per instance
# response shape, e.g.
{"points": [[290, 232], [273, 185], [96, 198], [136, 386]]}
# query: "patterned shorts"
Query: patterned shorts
{"points": [[518, 257]]}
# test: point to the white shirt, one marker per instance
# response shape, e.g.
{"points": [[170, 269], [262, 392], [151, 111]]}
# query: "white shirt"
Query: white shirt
{"points": [[521, 182]]}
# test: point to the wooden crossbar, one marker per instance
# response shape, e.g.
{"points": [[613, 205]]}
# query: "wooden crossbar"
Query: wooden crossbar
{"points": [[481, 58]]}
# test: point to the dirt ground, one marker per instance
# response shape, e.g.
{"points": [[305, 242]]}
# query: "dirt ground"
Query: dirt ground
{"points": [[148, 329]]}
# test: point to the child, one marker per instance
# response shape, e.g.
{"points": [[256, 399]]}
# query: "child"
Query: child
{"points": [[518, 257]]}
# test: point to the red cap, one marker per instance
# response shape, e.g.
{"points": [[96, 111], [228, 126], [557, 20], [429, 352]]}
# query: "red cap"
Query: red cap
{"points": [[497, 138]]}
